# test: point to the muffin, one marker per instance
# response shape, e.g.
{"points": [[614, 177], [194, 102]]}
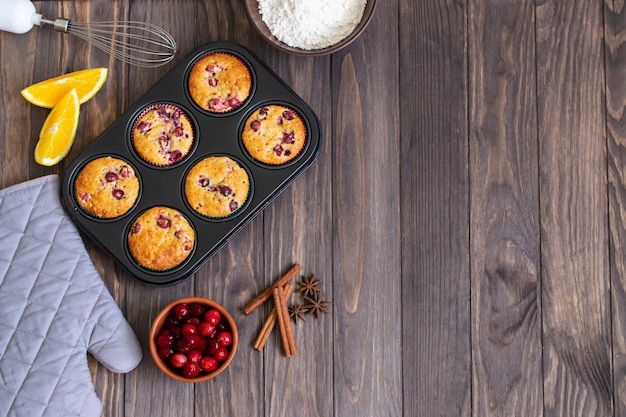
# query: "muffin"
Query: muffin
{"points": [[161, 238], [217, 186], [162, 135], [106, 187], [219, 82], [274, 134]]}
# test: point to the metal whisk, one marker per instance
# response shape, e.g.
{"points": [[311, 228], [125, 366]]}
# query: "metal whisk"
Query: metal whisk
{"points": [[137, 43]]}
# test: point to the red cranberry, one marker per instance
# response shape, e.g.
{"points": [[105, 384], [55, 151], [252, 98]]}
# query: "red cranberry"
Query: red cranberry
{"points": [[143, 127], [225, 190], [117, 193], [162, 112], [165, 353], [193, 320], [233, 205], [164, 141], [178, 360], [180, 311], [212, 316], [194, 340], [125, 171], [176, 331], [136, 228], [264, 111], [289, 137], [188, 329], [213, 81], [288, 115], [191, 370], [178, 131], [163, 222], [278, 150], [234, 102], [205, 329], [204, 182], [196, 310], [175, 156], [188, 343], [217, 104], [225, 338], [165, 339], [194, 356], [110, 176], [255, 125], [212, 346], [221, 354], [208, 364], [171, 322]]}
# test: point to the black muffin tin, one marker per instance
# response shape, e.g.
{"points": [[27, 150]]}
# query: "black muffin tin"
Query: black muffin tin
{"points": [[215, 134]]}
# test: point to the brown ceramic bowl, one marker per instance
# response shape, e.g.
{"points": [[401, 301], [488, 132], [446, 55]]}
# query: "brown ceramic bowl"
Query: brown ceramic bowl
{"points": [[159, 323], [252, 7]]}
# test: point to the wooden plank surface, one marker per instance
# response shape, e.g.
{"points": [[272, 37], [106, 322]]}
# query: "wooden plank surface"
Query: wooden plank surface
{"points": [[465, 213], [574, 241], [366, 222], [615, 61], [504, 206], [434, 208]]}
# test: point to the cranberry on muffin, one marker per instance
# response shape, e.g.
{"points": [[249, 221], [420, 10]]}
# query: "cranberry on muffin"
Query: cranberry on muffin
{"points": [[217, 186], [106, 187], [219, 82], [274, 134], [162, 135], [161, 238]]}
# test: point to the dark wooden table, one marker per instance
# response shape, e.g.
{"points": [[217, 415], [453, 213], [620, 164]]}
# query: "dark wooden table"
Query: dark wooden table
{"points": [[467, 212]]}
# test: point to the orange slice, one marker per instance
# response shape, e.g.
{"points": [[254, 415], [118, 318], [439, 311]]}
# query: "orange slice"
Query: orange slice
{"points": [[58, 130], [48, 93]]}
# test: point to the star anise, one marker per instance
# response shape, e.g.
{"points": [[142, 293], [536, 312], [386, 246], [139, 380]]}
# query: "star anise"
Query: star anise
{"points": [[298, 312], [316, 304], [308, 286]]}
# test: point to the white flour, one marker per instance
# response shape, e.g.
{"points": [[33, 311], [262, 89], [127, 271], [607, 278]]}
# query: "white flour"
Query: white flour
{"points": [[311, 24]]}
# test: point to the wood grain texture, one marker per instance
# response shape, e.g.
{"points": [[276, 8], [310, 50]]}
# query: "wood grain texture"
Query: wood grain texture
{"points": [[466, 212], [366, 222], [298, 229], [615, 61], [434, 208], [506, 313], [574, 237]]}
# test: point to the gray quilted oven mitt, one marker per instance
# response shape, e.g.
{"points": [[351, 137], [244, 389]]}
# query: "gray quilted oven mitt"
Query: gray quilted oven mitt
{"points": [[54, 308]]}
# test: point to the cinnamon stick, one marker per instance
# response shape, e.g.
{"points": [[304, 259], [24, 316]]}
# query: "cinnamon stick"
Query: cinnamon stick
{"points": [[267, 293], [284, 324], [270, 322]]}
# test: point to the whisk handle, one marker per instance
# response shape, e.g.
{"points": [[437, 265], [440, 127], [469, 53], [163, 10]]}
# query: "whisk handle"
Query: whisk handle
{"points": [[18, 16]]}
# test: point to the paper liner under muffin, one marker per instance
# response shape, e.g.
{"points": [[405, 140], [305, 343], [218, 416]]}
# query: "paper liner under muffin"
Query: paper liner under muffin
{"points": [[169, 268], [138, 121], [233, 212], [295, 153], [205, 106], [93, 215]]}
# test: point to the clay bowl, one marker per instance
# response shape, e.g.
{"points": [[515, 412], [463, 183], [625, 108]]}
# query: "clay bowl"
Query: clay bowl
{"points": [[252, 7], [161, 321]]}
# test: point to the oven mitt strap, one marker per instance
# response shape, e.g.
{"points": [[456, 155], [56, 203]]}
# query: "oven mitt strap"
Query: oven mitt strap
{"points": [[54, 308]]}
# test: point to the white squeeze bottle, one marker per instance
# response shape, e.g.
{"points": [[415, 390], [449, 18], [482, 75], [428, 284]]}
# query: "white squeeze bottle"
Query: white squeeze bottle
{"points": [[18, 16]]}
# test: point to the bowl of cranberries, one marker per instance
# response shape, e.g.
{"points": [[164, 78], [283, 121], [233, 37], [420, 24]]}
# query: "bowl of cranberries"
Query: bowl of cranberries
{"points": [[193, 339]]}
